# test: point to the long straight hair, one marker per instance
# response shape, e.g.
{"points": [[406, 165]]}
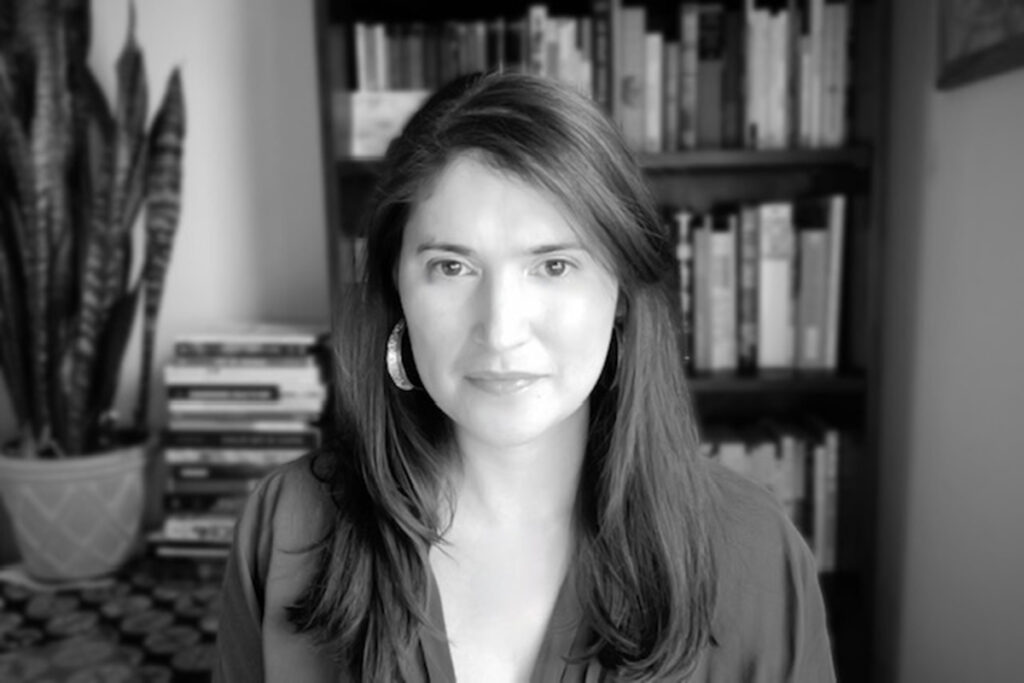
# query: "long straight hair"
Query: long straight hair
{"points": [[645, 575]]}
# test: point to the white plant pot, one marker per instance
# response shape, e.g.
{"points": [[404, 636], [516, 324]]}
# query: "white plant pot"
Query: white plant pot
{"points": [[76, 517]]}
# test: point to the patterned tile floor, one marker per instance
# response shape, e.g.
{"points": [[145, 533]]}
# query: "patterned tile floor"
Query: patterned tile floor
{"points": [[151, 623]]}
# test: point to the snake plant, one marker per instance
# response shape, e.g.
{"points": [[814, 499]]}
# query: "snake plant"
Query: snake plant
{"points": [[81, 180]]}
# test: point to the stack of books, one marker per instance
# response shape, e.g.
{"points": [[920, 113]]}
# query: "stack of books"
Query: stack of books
{"points": [[240, 403]]}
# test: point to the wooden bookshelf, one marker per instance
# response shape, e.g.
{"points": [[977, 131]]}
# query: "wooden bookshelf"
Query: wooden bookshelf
{"points": [[702, 178]]}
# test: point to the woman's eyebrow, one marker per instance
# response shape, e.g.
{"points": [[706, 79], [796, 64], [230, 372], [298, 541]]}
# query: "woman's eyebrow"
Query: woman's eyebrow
{"points": [[431, 245], [538, 250]]}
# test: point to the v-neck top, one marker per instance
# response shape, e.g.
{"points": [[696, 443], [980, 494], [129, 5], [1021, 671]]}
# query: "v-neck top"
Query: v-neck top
{"points": [[769, 622]]}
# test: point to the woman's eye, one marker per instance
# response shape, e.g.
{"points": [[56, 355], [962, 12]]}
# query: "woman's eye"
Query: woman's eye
{"points": [[449, 268], [556, 267]]}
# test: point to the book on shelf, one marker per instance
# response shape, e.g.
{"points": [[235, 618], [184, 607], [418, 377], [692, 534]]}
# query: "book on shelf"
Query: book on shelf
{"points": [[775, 286], [218, 471], [722, 291], [199, 527], [224, 456]]}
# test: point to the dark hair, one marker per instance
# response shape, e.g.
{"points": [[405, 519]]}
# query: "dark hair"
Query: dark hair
{"points": [[646, 574]]}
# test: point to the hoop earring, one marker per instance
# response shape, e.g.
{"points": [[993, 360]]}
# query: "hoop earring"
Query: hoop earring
{"points": [[393, 358]]}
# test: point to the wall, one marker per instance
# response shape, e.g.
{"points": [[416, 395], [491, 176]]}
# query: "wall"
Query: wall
{"points": [[952, 604], [251, 244]]}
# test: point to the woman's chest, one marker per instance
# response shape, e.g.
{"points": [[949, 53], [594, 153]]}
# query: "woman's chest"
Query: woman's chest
{"points": [[496, 612]]}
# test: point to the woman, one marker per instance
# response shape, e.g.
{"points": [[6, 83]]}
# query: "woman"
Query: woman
{"points": [[515, 491]]}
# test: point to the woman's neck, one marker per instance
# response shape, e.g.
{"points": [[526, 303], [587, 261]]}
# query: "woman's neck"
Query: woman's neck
{"points": [[523, 485]]}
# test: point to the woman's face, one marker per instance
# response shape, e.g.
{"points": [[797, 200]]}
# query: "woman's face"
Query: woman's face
{"points": [[509, 312]]}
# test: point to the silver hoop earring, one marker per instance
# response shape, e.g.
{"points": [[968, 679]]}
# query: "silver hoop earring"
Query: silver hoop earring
{"points": [[396, 369]]}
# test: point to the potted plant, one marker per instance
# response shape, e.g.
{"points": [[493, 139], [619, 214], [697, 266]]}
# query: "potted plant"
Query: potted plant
{"points": [[77, 175]]}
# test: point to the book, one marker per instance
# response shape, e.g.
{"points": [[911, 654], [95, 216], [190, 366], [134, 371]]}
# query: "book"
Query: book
{"points": [[688, 75], [226, 456], [230, 504], [248, 340], [654, 46], [722, 290], [242, 439], [833, 304], [670, 99], [710, 61], [601, 43], [218, 487], [632, 76], [811, 222], [775, 286], [746, 304], [684, 257], [702, 341], [217, 471], [199, 526]]}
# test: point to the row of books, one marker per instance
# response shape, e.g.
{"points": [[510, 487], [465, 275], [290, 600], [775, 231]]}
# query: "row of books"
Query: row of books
{"points": [[241, 402], [759, 74], [800, 465], [760, 285]]}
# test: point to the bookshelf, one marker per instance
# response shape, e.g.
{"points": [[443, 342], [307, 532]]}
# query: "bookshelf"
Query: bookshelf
{"points": [[737, 170]]}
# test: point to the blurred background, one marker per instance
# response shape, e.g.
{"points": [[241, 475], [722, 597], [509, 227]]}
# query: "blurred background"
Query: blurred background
{"points": [[934, 325]]}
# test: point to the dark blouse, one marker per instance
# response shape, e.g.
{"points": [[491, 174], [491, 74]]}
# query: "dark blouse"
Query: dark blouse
{"points": [[769, 622]]}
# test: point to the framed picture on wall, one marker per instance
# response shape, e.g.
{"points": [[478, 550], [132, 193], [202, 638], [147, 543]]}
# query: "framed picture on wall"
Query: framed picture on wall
{"points": [[979, 38]]}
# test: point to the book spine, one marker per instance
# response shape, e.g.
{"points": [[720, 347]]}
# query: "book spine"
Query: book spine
{"points": [[217, 472], [238, 440], [710, 50], [836, 242], [228, 456], [689, 34], [732, 78], [670, 104], [684, 257], [602, 53], [241, 349], [632, 75], [747, 315], [199, 527], [653, 95], [812, 285], [775, 286], [537, 18], [224, 392], [723, 291], [220, 487], [207, 503], [702, 295]]}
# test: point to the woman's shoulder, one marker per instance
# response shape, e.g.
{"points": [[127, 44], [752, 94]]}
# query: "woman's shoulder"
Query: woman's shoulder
{"points": [[769, 603], [294, 498], [754, 539]]}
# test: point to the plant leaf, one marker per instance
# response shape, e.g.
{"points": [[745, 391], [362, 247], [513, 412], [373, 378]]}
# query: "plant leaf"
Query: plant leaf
{"points": [[163, 209], [13, 342], [79, 357]]}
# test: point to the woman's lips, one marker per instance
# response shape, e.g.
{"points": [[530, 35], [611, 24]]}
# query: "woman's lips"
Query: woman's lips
{"points": [[502, 383]]}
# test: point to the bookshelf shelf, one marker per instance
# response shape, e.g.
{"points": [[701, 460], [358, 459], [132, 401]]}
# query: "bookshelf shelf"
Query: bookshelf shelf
{"points": [[779, 382]]}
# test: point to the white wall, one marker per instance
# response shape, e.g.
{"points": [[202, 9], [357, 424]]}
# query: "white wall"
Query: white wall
{"points": [[952, 520]]}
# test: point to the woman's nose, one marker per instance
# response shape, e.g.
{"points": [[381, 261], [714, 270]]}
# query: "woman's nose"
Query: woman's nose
{"points": [[503, 312]]}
